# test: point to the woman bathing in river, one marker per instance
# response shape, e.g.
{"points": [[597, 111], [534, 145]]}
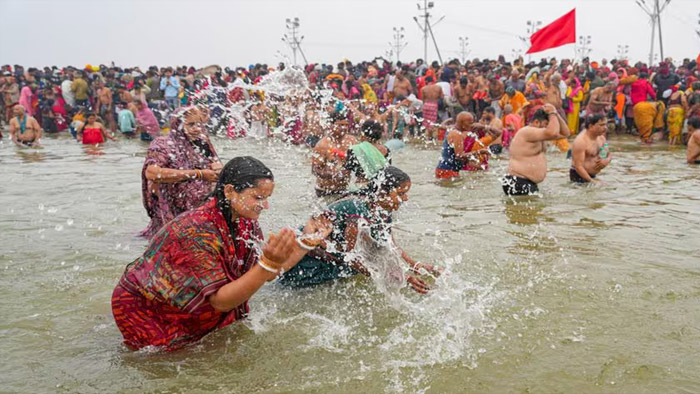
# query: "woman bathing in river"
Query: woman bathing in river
{"points": [[373, 205], [180, 169], [200, 269]]}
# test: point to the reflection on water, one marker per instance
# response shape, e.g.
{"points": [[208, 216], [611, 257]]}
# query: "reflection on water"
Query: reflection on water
{"points": [[31, 155], [524, 210], [576, 290]]}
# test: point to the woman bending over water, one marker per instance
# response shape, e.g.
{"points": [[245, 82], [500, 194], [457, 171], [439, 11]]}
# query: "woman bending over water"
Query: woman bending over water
{"points": [[373, 205], [200, 269]]}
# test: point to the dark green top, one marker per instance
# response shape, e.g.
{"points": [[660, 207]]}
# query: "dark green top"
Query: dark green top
{"points": [[320, 265]]}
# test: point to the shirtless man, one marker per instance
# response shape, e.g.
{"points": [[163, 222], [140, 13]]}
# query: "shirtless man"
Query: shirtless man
{"points": [[496, 91], [528, 164], [402, 86], [586, 162], [693, 155], [489, 118], [328, 159], [553, 94], [432, 93], [461, 93], [105, 107], [24, 129], [601, 100]]}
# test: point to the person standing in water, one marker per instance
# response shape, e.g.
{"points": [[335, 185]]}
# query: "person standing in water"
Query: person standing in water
{"points": [[528, 164], [461, 149], [328, 159], [198, 273], [180, 169], [693, 153], [24, 129], [93, 132], [586, 160], [373, 206]]}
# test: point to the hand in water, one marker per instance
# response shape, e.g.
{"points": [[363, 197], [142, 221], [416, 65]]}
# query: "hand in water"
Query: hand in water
{"points": [[427, 269], [279, 246], [418, 285]]}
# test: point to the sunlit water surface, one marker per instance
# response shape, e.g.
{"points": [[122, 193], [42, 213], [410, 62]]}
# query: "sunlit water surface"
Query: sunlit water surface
{"points": [[580, 290]]}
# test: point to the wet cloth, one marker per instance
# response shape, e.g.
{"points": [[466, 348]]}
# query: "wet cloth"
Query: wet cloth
{"points": [[161, 299], [518, 186], [365, 160], [127, 123], [92, 136], [164, 201], [475, 144], [647, 116], [676, 116], [448, 165], [430, 113], [146, 119], [320, 265], [576, 178]]}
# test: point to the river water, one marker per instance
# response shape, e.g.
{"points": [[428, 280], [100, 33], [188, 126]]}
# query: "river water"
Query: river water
{"points": [[581, 290]]}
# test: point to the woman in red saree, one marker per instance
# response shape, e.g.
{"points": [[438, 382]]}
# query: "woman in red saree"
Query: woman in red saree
{"points": [[200, 269]]}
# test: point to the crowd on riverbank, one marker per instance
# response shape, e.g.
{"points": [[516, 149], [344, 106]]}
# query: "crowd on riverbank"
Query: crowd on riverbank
{"points": [[406, 98]]}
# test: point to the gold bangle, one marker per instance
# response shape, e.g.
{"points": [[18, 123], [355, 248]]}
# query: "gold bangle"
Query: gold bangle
{"points": [[302, 244], [268, 268], [270, 263]]}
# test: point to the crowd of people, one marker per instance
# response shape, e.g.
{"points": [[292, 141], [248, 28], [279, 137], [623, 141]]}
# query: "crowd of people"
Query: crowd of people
{"points": [[207, 256]]}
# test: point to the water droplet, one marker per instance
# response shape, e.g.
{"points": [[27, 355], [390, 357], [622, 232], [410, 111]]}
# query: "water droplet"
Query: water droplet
{"points": [[59, 227], [69, 222]]}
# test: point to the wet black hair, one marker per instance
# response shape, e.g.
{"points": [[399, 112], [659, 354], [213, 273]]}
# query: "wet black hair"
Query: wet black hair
{"points": [[540, 115], [242, 173], [386, 180], [372, 130], [429, 78], [593, 119], [694, 122], [338, 116], [490, 110]]}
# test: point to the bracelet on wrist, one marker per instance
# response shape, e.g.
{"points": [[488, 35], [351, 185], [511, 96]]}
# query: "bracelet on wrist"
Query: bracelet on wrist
{"points": [[268, 268], [304, 245]]}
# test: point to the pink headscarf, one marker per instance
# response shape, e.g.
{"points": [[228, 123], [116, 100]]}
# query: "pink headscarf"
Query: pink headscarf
{"points": [[25, 100], [614, 77]]}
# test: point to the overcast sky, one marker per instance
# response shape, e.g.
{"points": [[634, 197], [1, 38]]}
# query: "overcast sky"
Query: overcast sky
{"points": [[239, 32]]}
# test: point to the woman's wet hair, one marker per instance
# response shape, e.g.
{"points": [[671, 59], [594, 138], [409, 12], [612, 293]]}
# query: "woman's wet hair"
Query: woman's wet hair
{"points": [[386, 180], [242, 173], [372, 130]]}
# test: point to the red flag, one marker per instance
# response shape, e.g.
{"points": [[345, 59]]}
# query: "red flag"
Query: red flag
{"points": [[560, 32]]}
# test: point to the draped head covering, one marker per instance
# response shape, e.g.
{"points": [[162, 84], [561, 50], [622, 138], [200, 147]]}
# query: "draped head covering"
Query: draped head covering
{"points": [[164, 201]]}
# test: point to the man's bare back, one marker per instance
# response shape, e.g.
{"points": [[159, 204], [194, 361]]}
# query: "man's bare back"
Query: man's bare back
{"points": [[432, 93]]}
